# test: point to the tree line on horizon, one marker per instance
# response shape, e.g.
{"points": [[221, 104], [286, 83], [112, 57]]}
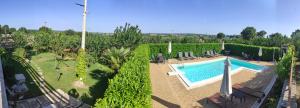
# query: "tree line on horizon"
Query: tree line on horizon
{"points": [[248, 35]]}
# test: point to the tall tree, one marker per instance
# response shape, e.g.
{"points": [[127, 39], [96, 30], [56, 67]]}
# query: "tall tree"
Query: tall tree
{"points": [[5, 29], [23, 29], [20, 39], [45, 29], [220, 35], [248, 33], [277, 39], [261, 33], [69, 32], [276, 35], [127, 36], [296, 40], [0, 29], [11, 30]]}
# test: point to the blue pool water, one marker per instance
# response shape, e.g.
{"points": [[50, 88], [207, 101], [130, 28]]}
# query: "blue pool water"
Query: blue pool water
{"points": [[202, 71]]}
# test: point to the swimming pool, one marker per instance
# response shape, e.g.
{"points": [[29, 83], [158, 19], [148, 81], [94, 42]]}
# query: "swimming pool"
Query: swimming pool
{"points": [[206, 72]]}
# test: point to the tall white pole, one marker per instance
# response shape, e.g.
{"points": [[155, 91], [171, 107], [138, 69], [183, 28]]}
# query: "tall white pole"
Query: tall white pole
{"points": [[83, 26]]}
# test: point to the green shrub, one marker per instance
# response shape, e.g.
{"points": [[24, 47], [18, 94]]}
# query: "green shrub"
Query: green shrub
{"points": [[2, 51], [283, 66], [20, 52], [131, 86], [81, 65], [252, 50], [197, 49]]}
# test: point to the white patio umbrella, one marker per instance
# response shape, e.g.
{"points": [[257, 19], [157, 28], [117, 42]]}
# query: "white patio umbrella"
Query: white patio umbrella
{"points": [[223, 46], [170, 47], [260, 52], [226, 87]]}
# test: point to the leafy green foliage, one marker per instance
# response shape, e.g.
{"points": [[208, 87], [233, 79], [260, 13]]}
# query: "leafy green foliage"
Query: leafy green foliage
{"points": [[69, 32], [131, 87], [252, 50], [20, 39], [197, 49], [2, 51], [5, 29], [45, 29], [81, 65], [23, 29], [296, 41], [20, 52], [220, 35], [283, 67], [115, 58], [12, 30], [127, 36], [261, 33], [248, 33]]}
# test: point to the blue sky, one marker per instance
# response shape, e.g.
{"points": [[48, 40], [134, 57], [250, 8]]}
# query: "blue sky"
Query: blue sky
{"points": [[156, 16]]}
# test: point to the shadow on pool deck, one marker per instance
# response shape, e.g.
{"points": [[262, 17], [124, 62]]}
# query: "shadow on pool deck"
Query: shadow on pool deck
{"points": [[164, 102]]}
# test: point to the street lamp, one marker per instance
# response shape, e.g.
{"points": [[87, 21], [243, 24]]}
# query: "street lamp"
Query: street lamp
{"points": [[83, 24]]}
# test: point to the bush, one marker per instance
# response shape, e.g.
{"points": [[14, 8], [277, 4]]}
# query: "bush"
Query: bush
{"points": [[197, 49], [81, 65], [20, 52], [237, 49], [283, 67], [131, 86], [2, 51]]}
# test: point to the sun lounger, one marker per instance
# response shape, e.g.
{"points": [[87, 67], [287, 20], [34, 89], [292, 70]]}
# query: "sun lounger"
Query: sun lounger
{"points": [[180, 57], [219, 101], [212, 53], [172, 73], [186, 55], [160, 58], [215, 53], [246, 56], [249, 91], [208, 54], [192, 55]]}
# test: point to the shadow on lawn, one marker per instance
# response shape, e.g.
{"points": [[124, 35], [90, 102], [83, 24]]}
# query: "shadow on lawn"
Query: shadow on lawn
{"points": [[42, 85], [97, 90], [12, 67]]}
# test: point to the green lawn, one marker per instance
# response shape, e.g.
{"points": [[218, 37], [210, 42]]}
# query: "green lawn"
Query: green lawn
{"points": [[96, 84]]}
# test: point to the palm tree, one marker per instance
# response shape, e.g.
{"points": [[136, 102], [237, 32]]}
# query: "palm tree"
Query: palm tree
{"points": [[115, 58]]}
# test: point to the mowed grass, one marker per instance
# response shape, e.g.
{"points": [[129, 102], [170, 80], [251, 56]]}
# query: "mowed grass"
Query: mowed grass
{"points": [[95, 83]]}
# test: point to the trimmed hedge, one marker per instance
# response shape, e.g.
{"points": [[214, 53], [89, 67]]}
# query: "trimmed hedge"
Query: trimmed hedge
{"points": [[200, 48], [252, 50], [131, 87], [197, 49]]}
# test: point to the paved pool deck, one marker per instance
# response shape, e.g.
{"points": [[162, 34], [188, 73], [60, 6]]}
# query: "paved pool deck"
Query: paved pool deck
{"points": [[170, 92]]}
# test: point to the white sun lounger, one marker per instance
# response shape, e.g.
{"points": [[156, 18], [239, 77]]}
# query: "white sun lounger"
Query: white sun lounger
{"points": [[172, 73]]}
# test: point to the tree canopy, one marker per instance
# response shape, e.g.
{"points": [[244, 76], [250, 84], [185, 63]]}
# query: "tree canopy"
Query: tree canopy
{"points": [[220, 35], [69, 32], [5, 29], [248, 33], [23, 29], [45, 29], [261, 33], [127, 36]]}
